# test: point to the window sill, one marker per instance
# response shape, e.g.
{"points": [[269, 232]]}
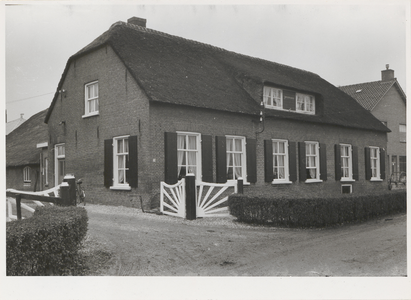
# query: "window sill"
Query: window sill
{"points": [[376, 180], [281, 182], [120, 188], [313, 180], [347, 180], [96, 113]]}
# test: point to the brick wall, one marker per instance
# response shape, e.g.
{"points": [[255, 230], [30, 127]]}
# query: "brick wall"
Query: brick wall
{"points": [[14, 178]]}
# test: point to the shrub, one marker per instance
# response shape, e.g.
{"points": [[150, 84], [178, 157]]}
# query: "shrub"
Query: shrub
{"points": [[314, 212], [47, 243]]}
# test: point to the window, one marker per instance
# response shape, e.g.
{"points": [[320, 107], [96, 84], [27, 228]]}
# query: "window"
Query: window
{"points": [[188, 154], [235, 158], [305, 104], [394, 164], [312, 161], [91, 99], [346, 162], [273, 97], [403, 128], [384, 123], [346, 189], [26, 176], [121, 161], [403, 164], [280, 161], [46, 171], [375, 162], [60, 162]]}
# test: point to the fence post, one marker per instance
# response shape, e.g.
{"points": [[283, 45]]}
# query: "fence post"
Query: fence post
{"points": [[65, 194], [240, 186], [71, 180], [18, 206], [191, 213]]}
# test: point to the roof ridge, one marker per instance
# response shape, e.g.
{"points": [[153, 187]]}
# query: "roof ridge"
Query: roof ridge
{"points": [[153, 31]]}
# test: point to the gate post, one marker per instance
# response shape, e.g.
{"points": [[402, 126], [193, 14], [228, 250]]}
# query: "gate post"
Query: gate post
{"points": [[71, 180], [191, 208], [65, 194], [18, 206], [240, 185]]}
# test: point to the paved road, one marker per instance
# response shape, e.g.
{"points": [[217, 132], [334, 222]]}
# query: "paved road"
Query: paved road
{"points": [[147, 244]]}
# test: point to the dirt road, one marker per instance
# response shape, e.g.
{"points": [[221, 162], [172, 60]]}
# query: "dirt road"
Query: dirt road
{"points": [[146, 244]]}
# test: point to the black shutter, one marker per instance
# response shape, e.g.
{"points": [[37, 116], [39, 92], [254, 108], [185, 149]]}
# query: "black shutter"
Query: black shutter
{"points": [[355, 174], [108, 163], [207, 158], [382, 163], [292, 161], [337, 153], [367, 163], [302, 161], [323, 162], [170, 158], [221, 159], [268, 161], [132, 172], [251, 149]]}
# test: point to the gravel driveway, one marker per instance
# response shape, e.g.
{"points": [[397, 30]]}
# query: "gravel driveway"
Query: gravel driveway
{"points": [[145, 244]]}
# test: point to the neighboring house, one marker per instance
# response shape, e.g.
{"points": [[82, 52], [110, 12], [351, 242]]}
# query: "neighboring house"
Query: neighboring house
{"points": [[136, 107], [387, 102], [10, 126], [26, 152]]}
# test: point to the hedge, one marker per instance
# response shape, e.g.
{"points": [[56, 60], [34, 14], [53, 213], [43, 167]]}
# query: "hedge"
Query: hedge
{"points": [[314, 212], [47, 243]]}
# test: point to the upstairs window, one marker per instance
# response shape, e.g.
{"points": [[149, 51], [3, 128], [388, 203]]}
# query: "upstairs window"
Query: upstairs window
{"points": [[305, 103], [403, 128], [91, 99], [273, 98]]}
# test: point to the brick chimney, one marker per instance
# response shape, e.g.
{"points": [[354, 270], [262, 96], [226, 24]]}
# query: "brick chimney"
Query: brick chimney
{"points": [[388, 74], [137, 21]]}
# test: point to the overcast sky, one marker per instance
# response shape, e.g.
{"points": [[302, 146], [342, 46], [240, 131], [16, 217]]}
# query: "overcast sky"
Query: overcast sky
{"points": [[344, 44]]}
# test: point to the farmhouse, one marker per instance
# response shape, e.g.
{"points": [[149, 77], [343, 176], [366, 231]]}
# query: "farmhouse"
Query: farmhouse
{"points": [[136, 107], [386, 100]]}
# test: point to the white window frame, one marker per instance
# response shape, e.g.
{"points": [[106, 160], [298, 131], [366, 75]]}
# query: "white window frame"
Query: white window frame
{"points": [[305, 98], [316, 160], [198, 166], [348, 159], [116, 184], [346, 185], [269, 97], [402, 128], [94, 98], [46, 170], [375, 163], [58, 156], [286, 179], [26, 175], [243, 157]]}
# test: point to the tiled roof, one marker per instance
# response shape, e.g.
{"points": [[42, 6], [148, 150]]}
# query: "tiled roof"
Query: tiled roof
{"points": [[10, 126], [175, 70], [370, 93], [21, 144]]}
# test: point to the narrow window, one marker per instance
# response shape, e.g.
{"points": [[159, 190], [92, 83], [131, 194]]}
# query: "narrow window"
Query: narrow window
{"points": [[120, 162], [280, 161], [346, 162], [375, 162], [91, 99], [26, 176], [59, 163], [273, 98], [403, 164], [305, 103], [312, 161], [46, 171], [235, 158], [188, 154]]}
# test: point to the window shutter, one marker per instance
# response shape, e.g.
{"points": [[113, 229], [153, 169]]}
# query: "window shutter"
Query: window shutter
{"points": [[170, 156], [221, 159], [268, 161], [207, 158], [355, 174], [108, 163], [302, 161], [292, 162], [367, 163], [382, 163], [323, 162], [132, 172], [251, 149], [337, 153]]}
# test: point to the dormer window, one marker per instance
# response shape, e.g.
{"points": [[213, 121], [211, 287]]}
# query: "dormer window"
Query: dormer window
{"points": [[273, 98], [282, 99]]}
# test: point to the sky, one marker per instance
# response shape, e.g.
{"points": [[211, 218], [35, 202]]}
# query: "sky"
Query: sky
{"points": [[343, 43]]}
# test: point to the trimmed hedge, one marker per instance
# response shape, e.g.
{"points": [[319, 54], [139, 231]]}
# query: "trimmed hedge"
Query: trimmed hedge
{"points": [[47, 243], [314, 212]]}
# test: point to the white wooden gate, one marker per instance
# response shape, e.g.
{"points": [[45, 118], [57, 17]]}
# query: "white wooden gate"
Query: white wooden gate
{"points": [[211, 198]]}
